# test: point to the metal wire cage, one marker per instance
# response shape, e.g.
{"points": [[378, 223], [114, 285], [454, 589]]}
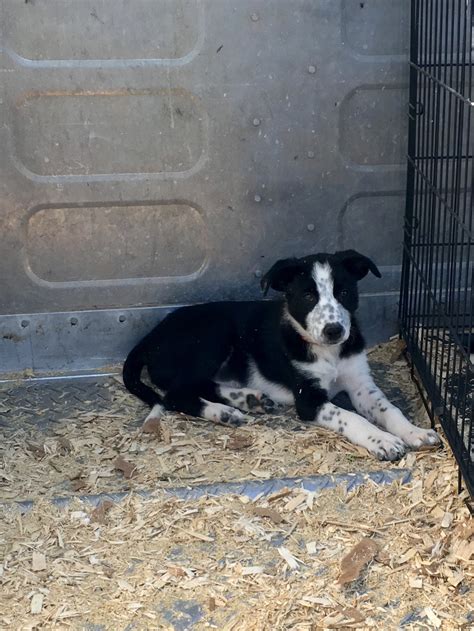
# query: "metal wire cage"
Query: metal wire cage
{"points": [[436, 301]]}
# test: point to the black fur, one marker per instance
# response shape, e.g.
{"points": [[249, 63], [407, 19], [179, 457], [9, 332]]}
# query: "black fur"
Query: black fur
{"points": [[196, 347]]}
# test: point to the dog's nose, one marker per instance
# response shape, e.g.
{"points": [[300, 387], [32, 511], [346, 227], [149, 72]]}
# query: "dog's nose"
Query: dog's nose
{"points": [[333, 332]]}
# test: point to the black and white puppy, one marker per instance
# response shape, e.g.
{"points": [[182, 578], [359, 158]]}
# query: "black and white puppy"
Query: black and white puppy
{"points": [[218, 360]]}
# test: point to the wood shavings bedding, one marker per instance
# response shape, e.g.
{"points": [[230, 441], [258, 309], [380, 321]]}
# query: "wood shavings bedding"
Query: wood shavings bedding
{"points": [[227, 563], [103, 451]]}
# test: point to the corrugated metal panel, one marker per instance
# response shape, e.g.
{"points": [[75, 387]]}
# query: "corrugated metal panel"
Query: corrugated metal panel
{"points": [[163, 152]]}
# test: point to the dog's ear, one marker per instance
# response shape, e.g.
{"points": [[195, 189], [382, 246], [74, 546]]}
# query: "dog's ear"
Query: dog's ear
{"points": [[280, 275], [357, 264]]}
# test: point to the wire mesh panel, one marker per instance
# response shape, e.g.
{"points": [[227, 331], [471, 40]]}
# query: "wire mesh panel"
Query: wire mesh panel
{"points": [[436, 306]]}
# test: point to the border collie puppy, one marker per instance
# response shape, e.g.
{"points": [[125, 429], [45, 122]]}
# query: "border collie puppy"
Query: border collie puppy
{"points": [[219, 360]]}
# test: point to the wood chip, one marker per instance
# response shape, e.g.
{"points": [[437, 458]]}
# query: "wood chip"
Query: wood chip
{"points": [[99, 513], [240, 441], [38, 563], [408, 555], [291, 560], [197, 535], [252, 569], [464, 551], [432, 617], [153, 426], [78, 485], [211, 603], [259, 473], [352, 614], [354, 562], [166, 433], [295, 502], [311, 547], [36, 604], [447, 520], [177, 571], [271, 513], [65, 443], [37, 450], [415, 582], [279, 494], [127, 468]]}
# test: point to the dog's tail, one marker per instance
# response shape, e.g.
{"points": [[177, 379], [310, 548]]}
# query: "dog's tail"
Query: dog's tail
{"points": [[132, 370]]}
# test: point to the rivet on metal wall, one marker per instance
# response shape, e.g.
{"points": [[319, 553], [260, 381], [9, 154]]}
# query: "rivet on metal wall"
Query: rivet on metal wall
{"points": [[311, 69], [310, 154], [257, 273], [257, 198], [122, 318], [73, 321], [256, 122], [310, 227], [24, 323], [254, 17]]}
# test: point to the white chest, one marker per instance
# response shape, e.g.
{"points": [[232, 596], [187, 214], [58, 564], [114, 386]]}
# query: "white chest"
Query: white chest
{"points": [[325, 369]]}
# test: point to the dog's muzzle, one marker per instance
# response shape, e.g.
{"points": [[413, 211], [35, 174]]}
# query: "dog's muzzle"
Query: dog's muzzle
{"points": [[333, 333]]}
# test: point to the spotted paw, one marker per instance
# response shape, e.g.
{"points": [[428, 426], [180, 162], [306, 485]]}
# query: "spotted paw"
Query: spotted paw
{"points": [[418, 437], [269, 405], [385, 446], [243, 398], [219, 413]]}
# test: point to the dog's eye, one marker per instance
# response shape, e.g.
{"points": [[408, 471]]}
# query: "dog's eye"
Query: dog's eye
{"points": [[309, 296]]}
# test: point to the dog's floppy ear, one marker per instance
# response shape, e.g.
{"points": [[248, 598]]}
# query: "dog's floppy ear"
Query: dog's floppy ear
{"points": [[280, 275], [357, 264]]}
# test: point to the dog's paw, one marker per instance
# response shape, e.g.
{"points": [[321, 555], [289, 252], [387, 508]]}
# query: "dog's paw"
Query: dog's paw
{"points": [[418, 437], [157, 412], [385, 446], [219, 413], [270, 406], [248, 400], [234, 417]]}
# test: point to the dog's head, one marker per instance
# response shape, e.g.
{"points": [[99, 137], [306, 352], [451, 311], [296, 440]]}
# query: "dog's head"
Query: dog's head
{"points": [[321, 292]]}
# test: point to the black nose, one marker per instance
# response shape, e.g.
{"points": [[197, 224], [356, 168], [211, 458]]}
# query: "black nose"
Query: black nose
{"points": [[333, 332]]}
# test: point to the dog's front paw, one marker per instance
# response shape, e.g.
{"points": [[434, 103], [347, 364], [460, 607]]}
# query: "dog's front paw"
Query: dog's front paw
{"points": [[418, 437], [234, 418], [385, 446], [219, 413]]}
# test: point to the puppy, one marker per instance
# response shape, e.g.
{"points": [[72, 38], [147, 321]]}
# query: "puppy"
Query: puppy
{"points": [[219, 360]]}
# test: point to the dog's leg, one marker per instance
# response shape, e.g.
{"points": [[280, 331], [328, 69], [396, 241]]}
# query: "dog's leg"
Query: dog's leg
{"points": [[370, 401], [359, 431], [157, 412], [247, 399], [312, 405], [202, 400]]}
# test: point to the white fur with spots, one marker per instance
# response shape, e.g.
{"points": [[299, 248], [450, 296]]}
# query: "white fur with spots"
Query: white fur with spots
{"points": [[360, 431], [220, 413], [247, 399], [328, 310], [369, 401]]}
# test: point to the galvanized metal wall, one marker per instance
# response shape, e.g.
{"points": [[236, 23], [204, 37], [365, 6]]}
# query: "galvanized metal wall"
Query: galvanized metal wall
{"points": [[162, 152]]}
